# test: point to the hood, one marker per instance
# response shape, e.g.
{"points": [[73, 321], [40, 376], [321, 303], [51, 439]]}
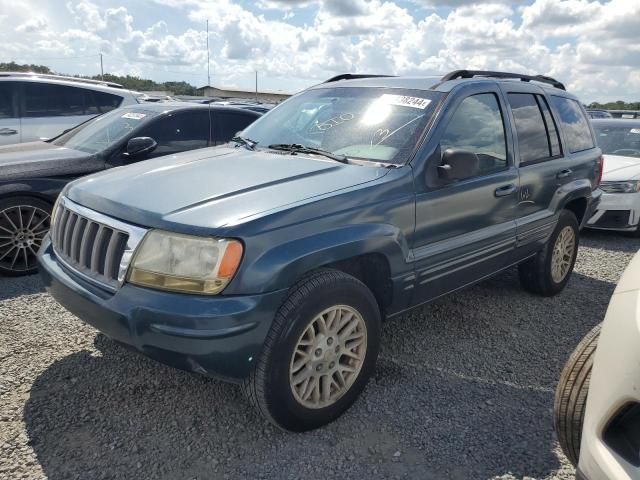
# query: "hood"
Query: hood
{"points": [[618, 168], [39, 159], [214, 187]]}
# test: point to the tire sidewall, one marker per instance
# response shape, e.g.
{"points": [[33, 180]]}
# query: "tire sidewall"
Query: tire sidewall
{"points": [[285, 409], [566, 219]]}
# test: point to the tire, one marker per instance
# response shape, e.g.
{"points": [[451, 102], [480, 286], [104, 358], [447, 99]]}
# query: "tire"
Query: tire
{"points": [[24, 221], [270, 388], [536, 274], [571, 395]]}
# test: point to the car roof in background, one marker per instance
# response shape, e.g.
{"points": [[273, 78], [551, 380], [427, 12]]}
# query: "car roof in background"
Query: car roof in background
{"points": [[616, 122], [160, 107]]}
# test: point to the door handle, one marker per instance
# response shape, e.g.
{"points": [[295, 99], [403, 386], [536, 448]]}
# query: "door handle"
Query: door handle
{"points": [[7, 131], [505, 190], [564, 173]]}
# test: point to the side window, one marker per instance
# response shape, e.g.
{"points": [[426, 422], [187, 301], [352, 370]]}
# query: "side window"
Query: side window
{"points": [[574, 123], [6, 100], [477, 126], [537, 135], [227, 124], [106, 102], [550, 124], [179, 132], [47, 100]]}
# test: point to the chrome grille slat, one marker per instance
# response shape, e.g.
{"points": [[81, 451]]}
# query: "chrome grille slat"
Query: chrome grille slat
{"points": [[92, 248]]}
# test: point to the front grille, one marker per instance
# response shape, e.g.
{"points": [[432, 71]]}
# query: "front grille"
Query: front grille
{"points": [[93, 248]]}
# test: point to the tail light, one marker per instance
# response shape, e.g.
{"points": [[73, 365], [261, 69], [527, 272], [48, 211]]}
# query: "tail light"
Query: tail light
{"points": [[599, 171]]}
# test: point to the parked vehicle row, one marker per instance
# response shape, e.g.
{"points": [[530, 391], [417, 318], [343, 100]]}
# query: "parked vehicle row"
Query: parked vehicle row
{"points": [[272, 261], [33, 174], [39, 107], [620, 206]]}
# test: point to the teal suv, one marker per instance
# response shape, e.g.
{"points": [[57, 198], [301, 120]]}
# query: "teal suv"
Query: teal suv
{"points": [[272, 260]]}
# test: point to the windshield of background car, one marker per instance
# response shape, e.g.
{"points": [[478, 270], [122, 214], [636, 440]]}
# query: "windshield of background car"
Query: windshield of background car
{"points": [[619, 139], [103, 131], [376, 124]]}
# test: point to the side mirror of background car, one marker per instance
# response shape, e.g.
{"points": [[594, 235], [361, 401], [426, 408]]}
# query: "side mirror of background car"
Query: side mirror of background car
{"points": [[458, 164], [139, 146]]}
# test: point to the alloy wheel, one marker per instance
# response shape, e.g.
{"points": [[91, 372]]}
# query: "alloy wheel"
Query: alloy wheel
{"points": [[562, 256], [22, 229], [328, 357]]}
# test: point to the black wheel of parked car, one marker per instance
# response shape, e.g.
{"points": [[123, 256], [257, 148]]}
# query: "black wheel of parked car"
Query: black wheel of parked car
{"points": [[319, 354], [571, 395], [548, 272], [24, 221]]}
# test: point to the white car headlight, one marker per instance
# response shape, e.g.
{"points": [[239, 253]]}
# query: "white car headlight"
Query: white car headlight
{"points": [[185, 263], [631, 186]]}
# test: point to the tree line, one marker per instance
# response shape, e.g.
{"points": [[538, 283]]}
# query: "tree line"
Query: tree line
{"points": [[184, 88], [128, 81]]}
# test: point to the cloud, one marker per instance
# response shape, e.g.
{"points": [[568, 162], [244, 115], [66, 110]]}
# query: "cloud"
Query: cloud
{"points": [[32, 25], [589, 45]]}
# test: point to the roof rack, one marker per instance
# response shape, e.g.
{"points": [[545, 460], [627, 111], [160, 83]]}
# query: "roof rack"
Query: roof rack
{"points": [[60, 77], [353, 76], [483, 73]]}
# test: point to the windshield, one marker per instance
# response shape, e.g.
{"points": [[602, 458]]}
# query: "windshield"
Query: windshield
{"points": [[103, 131], [376, 124], [619, 139]]}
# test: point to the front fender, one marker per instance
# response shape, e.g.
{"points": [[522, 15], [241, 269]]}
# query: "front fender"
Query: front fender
{"points": [[281, 266]]}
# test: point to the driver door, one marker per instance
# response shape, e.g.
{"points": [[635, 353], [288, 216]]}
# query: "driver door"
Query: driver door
{"points": [[465, 228]]}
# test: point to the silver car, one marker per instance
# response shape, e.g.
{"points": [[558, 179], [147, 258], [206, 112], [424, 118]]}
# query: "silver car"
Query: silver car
{"points": [[38, 107]]}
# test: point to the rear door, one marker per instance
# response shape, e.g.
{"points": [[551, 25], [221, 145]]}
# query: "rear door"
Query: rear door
{"points": [[226, 124], [10, 130], [50, 109], [465, 229]]}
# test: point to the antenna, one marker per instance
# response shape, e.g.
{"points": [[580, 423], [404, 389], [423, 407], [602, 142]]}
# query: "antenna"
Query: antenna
{"points": [[208, 61], [101, 69]]}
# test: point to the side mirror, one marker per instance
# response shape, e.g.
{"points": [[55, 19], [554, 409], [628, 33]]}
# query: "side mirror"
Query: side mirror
{"points": [[458, 164], [139, 146]]}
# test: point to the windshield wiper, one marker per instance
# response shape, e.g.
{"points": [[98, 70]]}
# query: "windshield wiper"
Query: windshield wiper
{"points": [[247, 142], [297, 148]]}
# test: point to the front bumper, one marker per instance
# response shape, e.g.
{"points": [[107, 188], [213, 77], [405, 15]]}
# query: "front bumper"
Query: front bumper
{"points": [[217, 336], [617, 211], [614, 387]]}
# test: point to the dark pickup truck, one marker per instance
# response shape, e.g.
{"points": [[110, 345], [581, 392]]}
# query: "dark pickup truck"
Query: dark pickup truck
{"points": [[271, 261]]}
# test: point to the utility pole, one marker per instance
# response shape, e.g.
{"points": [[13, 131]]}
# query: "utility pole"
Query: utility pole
{"points": [[256, 86], [208, 62], [101, 69]]}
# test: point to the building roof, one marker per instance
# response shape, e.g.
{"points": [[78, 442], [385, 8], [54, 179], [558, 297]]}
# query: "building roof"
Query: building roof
{"points": [[242, 90]]}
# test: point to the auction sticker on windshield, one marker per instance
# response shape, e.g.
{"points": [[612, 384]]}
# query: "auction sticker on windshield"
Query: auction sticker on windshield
{"points": [[134, 116], [634, 130], [405, 101]]}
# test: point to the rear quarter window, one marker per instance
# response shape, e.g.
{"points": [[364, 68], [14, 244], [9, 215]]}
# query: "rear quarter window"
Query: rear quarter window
{"points": [[574, 123]]}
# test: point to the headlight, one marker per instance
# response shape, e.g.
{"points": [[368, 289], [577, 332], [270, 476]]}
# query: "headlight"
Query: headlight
{"points": [[631, 186], [185, 263]]}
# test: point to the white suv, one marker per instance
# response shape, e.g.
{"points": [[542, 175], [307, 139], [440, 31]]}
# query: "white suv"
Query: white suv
{"points": [[35, 106], [597, 406]]}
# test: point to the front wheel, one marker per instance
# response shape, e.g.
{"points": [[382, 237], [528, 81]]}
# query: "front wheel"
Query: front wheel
{"points": [[548, 272], [571, 395], [24, 221], [319, 354]]}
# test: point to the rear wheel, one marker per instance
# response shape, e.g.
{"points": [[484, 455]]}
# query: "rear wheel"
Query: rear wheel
{"points": [[571, 395], [24, 221], [319, 354], [548, 272]]}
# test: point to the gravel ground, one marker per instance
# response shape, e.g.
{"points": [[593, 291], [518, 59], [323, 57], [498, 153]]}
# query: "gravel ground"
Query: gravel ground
{"points": [[464, 389]]}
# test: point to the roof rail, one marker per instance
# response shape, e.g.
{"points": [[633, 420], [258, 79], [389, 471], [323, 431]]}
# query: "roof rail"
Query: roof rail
{"points": [[483, 73], [353, 76], [61, 77]]}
